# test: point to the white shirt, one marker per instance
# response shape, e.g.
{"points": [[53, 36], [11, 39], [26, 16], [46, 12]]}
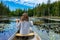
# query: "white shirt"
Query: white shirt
{"points": [[25, 27]]}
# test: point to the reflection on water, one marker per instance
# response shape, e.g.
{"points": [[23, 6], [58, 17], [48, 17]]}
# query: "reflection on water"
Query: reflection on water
{"points": [[47, 34], [48, 31], [43, 33]]}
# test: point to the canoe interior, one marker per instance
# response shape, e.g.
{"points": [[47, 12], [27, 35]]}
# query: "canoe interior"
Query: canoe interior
{"points": [[31, 36]]}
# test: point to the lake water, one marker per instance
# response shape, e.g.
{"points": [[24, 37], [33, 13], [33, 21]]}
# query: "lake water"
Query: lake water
{"points": [[43, 33]]}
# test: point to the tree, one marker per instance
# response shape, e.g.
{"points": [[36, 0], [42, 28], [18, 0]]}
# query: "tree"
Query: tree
{"points": [[30, 12], [4, 10]]}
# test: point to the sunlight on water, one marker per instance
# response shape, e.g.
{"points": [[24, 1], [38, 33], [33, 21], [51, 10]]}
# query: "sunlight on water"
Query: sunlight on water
{"points": [[47, 35], [43, 33]]}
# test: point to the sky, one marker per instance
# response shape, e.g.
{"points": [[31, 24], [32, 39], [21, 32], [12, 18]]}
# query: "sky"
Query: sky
{"points": [[23, 4]]}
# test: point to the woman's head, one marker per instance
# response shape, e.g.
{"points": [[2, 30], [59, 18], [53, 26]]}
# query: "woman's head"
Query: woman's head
{"points": [[25, 16], [22, 18]]}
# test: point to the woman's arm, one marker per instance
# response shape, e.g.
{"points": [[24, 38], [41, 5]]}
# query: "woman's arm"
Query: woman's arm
{"points": [[31, 23], [17, 21]]}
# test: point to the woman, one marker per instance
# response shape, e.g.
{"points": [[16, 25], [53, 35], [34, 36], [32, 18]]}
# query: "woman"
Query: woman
{"points": [[24, 25]]}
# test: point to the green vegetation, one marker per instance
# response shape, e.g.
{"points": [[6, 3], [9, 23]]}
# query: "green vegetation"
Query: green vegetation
{"points": [[49, 9], [4, 10], [52, 9], [17, 12]]}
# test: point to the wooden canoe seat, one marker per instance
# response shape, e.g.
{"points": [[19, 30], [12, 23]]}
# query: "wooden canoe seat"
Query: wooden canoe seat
{"points": [[30, 34]]}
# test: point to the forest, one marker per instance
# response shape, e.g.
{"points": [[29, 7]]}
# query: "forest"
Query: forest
{"points": [[49, 9]]}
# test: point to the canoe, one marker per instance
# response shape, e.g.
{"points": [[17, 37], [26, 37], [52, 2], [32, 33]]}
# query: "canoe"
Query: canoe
{"points": [[31, 36]]}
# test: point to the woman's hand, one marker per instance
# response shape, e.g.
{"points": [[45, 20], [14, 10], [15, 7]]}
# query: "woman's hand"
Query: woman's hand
{"points": [[17, 21]]}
